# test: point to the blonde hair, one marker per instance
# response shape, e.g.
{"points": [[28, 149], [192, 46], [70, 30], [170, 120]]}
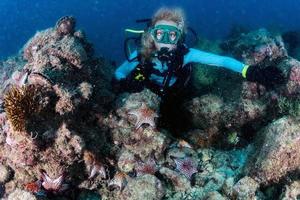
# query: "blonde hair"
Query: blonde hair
{"points": [[169, 14]]}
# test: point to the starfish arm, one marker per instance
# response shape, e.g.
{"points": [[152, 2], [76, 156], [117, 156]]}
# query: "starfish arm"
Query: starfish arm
{"points": [[23, 79], [151, 122], [57, 182], [46, 178], [93, 172], [102, 172], [138, 124]]}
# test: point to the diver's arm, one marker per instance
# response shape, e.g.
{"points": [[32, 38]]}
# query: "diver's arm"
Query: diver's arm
{"points": [[198, 56], [126, 79], [124, 70], [268, 76]]}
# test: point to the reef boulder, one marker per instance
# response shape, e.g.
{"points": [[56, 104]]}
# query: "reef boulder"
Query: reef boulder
{"points": [[278, 151], [211, 114], [291, 70], [257, 47], [52, 114], [245, 188], [292, 191], [143, 187]]}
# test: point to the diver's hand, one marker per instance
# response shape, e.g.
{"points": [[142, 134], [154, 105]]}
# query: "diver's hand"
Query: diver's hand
{"points": [[268, 76]]}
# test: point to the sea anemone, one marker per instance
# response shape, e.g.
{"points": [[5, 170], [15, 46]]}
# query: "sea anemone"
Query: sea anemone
{"points": [[20, 105], [86, 90], [65, 25]]}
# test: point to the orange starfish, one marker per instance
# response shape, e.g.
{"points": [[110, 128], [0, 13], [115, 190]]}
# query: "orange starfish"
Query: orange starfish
{"points": [[144, 115]]}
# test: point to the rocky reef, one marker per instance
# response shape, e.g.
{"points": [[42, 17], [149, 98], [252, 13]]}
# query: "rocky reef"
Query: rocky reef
{"points": [[65, 135], [54, 95]]}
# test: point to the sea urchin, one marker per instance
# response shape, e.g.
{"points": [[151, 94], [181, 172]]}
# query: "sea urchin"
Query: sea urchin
{"points": [[20, 103]]}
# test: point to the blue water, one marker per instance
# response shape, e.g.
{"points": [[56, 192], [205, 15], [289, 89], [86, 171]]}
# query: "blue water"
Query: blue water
{"points": [[104, 20]]}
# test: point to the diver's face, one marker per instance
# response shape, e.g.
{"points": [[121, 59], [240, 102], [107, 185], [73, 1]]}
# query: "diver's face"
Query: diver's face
{"points": [[172, 36]]}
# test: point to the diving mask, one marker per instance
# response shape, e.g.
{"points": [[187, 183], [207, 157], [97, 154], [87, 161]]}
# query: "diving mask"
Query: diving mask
{"points": [[165, 34]]}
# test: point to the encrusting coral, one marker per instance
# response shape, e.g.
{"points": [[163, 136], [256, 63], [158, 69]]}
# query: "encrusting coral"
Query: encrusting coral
{"points": [[278, 151], [19, 194], [5, 173]]}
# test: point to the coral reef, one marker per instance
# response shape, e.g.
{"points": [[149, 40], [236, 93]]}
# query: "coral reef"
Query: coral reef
{"points": [[210, 116], [216, 176], [259, 46], [291, 69], [21, 195], [208, 108], [9, 69], [143, 187], [23, 103], [64, 134], [51, 112], [292, 191], [277, 153], [5, 174], [245, 188], [249, 105], [180, 183], [289, 106]]}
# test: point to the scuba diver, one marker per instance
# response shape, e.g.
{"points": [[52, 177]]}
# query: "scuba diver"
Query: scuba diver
{"points": [[164, 65]]}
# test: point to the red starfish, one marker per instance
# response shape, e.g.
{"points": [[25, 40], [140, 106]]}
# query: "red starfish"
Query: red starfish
{"points": [[186, 166], [144, 115], [147, 167]]}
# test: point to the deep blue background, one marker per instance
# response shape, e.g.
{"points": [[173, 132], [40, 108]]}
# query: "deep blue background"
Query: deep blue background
{"points": [[104, 20]]}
